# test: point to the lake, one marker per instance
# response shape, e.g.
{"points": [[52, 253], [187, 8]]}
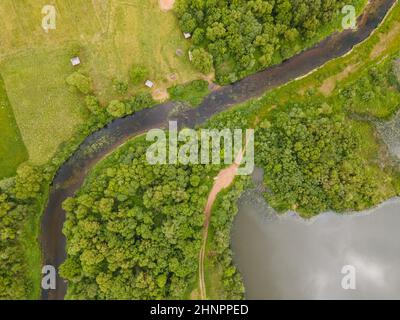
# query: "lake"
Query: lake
{"points": [[287, 257]]}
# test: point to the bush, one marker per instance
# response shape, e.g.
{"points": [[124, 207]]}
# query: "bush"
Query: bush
{"points": [[116, 108], [120, 87], [79, 81], [202, 60], [92, 103], [138, 74], [193, 92], [140, 101]]}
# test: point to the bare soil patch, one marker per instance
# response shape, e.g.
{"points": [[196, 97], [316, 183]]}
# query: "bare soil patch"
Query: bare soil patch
{"points": [[166, 5], [160, 95], [329, 84], [385, 40]]}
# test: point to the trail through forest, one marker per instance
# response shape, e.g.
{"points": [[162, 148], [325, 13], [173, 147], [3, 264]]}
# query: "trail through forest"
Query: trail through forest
{"points": [[223, 180]]}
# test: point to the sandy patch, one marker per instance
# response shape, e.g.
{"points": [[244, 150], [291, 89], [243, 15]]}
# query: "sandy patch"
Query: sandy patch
{"points": [[329, 84], [385, 40], [166, 5], [160, 95]]}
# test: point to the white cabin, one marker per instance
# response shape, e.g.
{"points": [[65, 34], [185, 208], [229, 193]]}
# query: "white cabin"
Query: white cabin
{"points": [[75, 61], [149, 84]]}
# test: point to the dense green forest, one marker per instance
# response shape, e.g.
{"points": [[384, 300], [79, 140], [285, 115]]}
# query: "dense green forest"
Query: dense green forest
{"points": [[134, 230], [240, 37], [18, 204], [312, 161]]}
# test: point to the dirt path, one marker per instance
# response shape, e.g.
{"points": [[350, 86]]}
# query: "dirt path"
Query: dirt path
{"points": [[222, 181], [166, 5]]}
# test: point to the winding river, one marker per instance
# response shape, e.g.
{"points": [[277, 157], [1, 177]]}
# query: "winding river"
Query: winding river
{"points": [[72, 173]]}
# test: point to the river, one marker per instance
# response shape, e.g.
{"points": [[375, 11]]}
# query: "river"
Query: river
{"points": [[72, 173]]}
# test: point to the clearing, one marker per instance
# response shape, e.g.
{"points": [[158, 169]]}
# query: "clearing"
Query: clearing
{"points": [[384, 40], [329, 84]]}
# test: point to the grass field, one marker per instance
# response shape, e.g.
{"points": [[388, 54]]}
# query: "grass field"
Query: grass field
{"points": [[46, 110], [12, 148], [108, 35]]}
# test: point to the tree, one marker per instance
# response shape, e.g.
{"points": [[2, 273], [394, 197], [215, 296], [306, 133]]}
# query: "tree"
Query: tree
{"points": [[198, 36], [202, 60], [187, 23], [80, 82], [27, 183], [92, 103], [138, 74], [116, 108]]}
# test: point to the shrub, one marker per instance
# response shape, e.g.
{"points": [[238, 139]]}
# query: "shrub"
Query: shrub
{"points": [[138, 74], [202, 60], [116, 108], [120, 87], [80, 82], [193, 92], [140, 101], [93, 104]]}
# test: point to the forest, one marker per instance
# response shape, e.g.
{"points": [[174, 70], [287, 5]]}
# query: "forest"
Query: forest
{"points": [[241, 37], [312, 162], [134, 230], [18, 204]]}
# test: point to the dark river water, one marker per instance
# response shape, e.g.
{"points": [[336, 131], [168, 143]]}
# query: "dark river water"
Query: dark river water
{"points": [[72, 174]]}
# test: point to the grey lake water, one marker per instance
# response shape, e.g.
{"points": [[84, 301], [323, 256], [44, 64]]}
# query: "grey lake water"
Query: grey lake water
{"points": [[287, 257]]}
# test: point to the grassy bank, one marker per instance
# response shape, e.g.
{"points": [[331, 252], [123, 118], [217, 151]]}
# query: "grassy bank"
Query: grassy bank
{"points": [[12, 148]]}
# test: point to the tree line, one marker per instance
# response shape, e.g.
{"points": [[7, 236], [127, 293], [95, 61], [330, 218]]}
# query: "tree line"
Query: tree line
{"points": [[240, 37]]}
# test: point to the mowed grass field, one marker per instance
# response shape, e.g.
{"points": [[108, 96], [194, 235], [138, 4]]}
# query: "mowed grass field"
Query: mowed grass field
{"points": [[108, 35], [46, 110], [12, 148]]}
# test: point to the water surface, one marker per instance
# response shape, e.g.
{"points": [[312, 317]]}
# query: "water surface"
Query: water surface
{"points": [[287, 257]]}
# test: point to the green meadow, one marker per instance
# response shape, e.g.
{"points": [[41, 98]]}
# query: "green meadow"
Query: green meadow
{"points": [[12, 148]]}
